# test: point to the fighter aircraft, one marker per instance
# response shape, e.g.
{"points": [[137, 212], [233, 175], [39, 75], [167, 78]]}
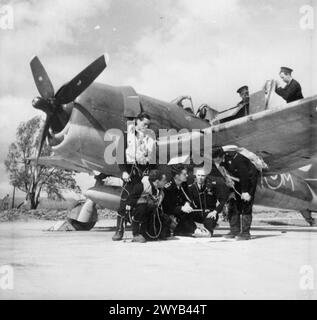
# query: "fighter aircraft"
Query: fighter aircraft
{"points": [[81, 112]]}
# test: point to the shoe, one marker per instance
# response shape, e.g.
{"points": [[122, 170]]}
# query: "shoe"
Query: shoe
{"points": [[230, 235], [139, 238], [246, 225], [243, 236], [117, 236], [119, 232], [201, 233]]}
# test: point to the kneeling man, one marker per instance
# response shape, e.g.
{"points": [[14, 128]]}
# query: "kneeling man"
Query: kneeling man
{"points": [[178, 205], [144, 202], [205, 200]]}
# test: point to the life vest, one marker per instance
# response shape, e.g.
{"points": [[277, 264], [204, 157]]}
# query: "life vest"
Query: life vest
{"points": [[140, 148], [257, 161], [147, 195]]}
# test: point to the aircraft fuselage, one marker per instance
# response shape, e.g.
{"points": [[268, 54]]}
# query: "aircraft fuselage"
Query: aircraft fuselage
{"points": [[84, 142]]}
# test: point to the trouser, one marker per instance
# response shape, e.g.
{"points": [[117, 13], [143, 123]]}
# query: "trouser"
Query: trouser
{"points": [[240, 211], [210, 224], [168, 225], [150, 222], [140, 219], [127, 189], [186, 225]]}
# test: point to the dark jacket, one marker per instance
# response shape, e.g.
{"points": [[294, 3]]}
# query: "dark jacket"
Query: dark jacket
{"points": [[175, 198], [173, 201], [202, 198], [242, 168], [216, 183], [291, 92]]}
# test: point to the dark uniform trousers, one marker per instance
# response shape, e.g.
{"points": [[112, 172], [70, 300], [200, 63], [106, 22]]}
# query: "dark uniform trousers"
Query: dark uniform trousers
{"points": [[240, 167], [146, 212], [203, 198], [136, 173], [175, 198]]}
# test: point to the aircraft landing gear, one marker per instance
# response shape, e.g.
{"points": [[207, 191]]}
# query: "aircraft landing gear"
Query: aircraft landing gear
{"points": [[308, 217], [83, 216]]}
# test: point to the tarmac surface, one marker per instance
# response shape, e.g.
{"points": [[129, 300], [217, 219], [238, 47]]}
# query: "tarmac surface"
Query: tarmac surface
{"points": [[278, 263]]}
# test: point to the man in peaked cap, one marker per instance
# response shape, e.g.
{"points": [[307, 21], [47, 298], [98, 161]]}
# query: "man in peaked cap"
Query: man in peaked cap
{"points": [[242, 108], [244, 94], [292, 91], [243, 175]]}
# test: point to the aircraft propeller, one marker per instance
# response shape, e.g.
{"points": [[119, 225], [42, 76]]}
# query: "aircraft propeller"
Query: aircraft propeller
{"points": [[51, 103]]}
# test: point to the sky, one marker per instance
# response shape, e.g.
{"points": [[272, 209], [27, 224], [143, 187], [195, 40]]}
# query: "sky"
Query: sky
{"points": [[163, 48]]}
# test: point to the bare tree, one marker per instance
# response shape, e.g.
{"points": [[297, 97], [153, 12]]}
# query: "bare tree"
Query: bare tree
{"points": [[25, 177]]}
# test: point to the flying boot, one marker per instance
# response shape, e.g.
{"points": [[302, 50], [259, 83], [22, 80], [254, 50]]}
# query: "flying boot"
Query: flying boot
{"points": [[234, 222], [120, 229], [136, 228], [246, 225]]}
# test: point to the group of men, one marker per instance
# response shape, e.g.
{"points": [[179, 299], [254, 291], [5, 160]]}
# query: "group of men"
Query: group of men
{"points": [[160, 203]]}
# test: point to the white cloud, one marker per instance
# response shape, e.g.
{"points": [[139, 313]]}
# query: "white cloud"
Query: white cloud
{"points": [[214, 47], [44, 28]]}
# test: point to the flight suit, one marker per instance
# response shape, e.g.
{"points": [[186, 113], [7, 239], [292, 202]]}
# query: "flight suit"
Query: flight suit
{"points": [[291, 92], [146, 201], [245, 176], [175, 197], [136, 171], [136, 174]]}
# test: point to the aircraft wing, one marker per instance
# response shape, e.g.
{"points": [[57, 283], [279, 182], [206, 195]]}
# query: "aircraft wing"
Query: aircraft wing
{"points": [[59, 162], [285, 136]]}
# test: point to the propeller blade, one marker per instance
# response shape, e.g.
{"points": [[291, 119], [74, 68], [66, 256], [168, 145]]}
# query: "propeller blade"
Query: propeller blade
{"points": [[45, 132], [41, 79], [71, 90]]}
